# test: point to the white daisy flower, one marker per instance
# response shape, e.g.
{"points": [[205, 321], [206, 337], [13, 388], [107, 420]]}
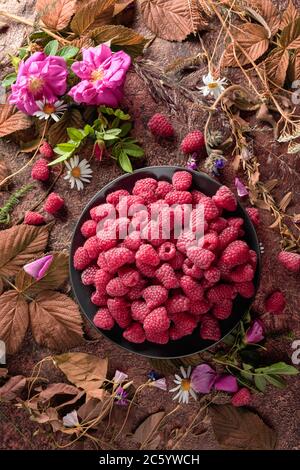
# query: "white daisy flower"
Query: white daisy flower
{"points": [[78, 172], [183, 386], [214, 87], [54, 110]]}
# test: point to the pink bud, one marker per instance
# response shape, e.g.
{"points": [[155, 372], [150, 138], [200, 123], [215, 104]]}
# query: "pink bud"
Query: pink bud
{"points": [[39, 267], [255, 333]]}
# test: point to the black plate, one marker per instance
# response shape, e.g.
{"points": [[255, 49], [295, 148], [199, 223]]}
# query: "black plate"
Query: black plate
{"points": [[191, 344]]}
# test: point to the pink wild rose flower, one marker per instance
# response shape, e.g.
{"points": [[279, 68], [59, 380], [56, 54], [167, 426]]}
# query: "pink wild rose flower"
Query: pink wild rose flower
{"points": [[102, 75], [40, 77]]}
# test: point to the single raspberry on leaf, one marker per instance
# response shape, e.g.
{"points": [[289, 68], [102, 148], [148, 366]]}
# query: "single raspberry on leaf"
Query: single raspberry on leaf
{"points": [[160, 126], [53, 203], [193, 142], [225, 199], [200, 257], [210, 329], [116, 288], [254, 215], [46, 150], [182, 180], [291, 261], [275, 303], [241, 398], [223, 310], [40, 170], [155, 296], [166, 275], [88, 275], [157, 321], [103, 319], [139, 310], [81, 259], [89, 228], [33, 218], [135, 333], [99, 299]]}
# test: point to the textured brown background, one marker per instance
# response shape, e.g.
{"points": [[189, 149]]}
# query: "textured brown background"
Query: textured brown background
{"points": [[280, 409]]}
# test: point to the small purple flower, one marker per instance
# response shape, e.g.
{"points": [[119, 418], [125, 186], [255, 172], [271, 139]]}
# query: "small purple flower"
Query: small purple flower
{"points": [[192, 166], [121, 397], [39, 267], [255, 333], [241, 188], [219, 163], [203, 378], [226, 383], [120, 377], [153, 375], [160, 383]]}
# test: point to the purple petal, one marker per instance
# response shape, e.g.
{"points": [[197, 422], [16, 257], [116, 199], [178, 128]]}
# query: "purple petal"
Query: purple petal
{"points": [[203, 378], [255, 333], [226, 383], [241, 188], [39, 267], [160, 383]]}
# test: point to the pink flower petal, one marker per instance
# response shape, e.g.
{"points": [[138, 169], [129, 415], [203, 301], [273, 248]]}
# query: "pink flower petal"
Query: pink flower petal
{"points": [[39, 267], [226, 383], [203, 378], [160, 383], [255, 333], [241, 188]]}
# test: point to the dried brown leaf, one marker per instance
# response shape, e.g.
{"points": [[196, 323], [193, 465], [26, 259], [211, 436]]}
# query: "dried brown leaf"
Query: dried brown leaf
{"points": [[12, 121], [58, 131], [55, 320], [120, 6], [290, 36], [126, 38], [57, 389], [276, 223], [240, 429], [3, 171], [145, 431], [56, 275], [12, 388], [294, 67], [269, 12], [86, 371], [252, 38], [285, 201], [92, 15], [296, 218], [90, 410], [18, 245], [57, 13], [173, 20], [290, 14], [276, 66], [271, 184], [14, 320]]}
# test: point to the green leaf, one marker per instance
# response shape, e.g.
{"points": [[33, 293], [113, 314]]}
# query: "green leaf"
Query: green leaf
{"points": [[9, 79], [126, 128], [65, 148], [121, 38], [88, 130], [23, 51], [68, 52], [113, 131], [15, 61], [115, 124], [260, 382], [51, 48], [38, 35], [76, 134], [280, 368], [276, 381], [121, 115], [124, 162], [60, 159], [133, 150]]}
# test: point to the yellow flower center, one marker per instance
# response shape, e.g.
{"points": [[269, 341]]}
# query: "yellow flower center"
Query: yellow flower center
{"points": [[185, 385], [36, 85], [212, 85], [97, 75], [76, 173], [48, 108]]}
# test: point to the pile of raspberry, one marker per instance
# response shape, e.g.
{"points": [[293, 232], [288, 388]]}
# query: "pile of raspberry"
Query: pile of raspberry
{"points": [[159, 289]]}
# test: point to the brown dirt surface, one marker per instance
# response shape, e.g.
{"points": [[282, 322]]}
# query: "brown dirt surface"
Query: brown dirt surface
{"points": [[279, 408]]}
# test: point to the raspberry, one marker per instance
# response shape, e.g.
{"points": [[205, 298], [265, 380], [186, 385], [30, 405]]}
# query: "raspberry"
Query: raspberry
{"points": [[136, 292], [116, 288], [235, 253], [114, 197], [81, 259], [53, 203], [144, 185], [135, 333], [89, 228], [149, 197], [155, 296], [210, 329], [200, 307], [245, 289], [139, 220], [177, 261], [103, 319], [146, 254], [253, 215], [40, 170], [46, 150], [166, 275], [218, 225], [227, 236], [200, 257], [98, 298], [92, 247], [102, 263], [156, 322], [210, 242], [182, 180], [118, 257], [178, 197], [101, 280], [118, 309], [127, 206], [133, 241], [253, 258], [178, 303], [153, 233], [242, 273], [237, 222], [88, 275], [184, 325], [219, 293], [186, 240], [139, 310], [241, 398], [290, 261], [160, 126], [197, 221], [212, 275], [163, 188], [106, 239], [158, 338], [166, 251], [193, 142], [146, 269], [129, 276], [223, 310], [190, 269], [210, 209], [33, 218], [197, 196], [103, 211], [225, 199], [275, 303], [191, 288]]}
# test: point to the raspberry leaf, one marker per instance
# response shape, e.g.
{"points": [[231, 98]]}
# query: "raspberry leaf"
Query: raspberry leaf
{"points": [[11, 121], [92, 15], [56, 15], [14, 320], [144, 433], [12, 388]]}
